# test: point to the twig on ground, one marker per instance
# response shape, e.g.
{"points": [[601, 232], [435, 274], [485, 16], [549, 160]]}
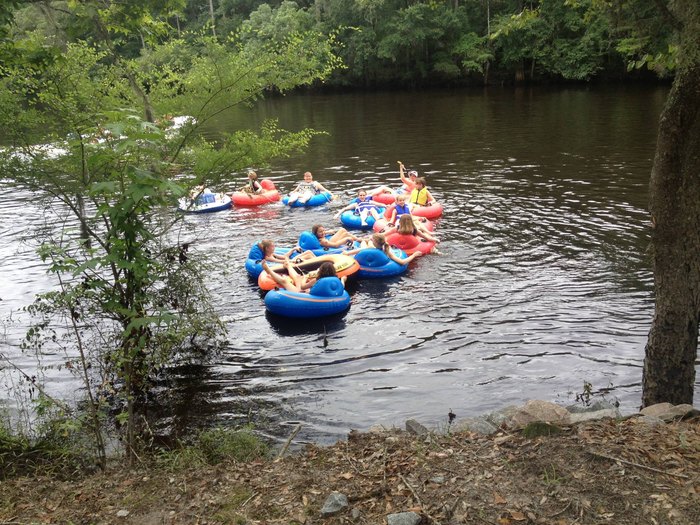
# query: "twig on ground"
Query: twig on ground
{"points": [[415, 494], [638, 465], [246, 501], [348, 458], [289, 441], [562, 511]]}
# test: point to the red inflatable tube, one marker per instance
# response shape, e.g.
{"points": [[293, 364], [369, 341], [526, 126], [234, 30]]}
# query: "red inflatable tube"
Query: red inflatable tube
{"points": [[429, 212], [382, 225], [270, 194], [410, 243]]}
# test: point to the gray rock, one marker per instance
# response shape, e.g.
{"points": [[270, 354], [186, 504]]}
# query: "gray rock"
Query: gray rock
{"points": [[334, 503], [656, 410], [499, 417], [414, 427], [651, 421], [667, 411], [596, 406], [122, 513], [404, 518], [590, 416], [480, 425], [538, 411], [355, 513]]}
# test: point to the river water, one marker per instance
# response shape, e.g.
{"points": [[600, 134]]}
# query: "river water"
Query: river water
{"points": [[544, 281]]}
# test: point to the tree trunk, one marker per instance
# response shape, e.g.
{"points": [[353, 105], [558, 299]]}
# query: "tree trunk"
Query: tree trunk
{"points": [[669, 365], [211, 15]]}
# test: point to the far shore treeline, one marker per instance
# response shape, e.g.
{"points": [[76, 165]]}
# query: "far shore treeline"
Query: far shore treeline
{"points": [[406, 44]]}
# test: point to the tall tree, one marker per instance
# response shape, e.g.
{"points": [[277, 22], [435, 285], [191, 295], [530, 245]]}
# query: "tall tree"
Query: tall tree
{"points": [[129, 294], [671, 351]]}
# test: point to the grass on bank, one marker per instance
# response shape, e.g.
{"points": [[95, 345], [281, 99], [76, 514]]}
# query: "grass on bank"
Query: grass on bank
{"points": [[61, 453]]}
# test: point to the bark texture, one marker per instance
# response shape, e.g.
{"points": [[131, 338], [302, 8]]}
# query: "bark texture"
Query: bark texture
{"points": [[671, 351]]}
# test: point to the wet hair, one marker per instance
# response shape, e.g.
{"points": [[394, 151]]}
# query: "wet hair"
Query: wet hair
{"points": [[326, 270], [379, 241], [405, 226], [315, 228], [265, 244], [421, 180], [308, 173]]}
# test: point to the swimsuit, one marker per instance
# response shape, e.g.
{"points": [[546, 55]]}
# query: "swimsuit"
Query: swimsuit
{"points": [[365, 204], [306, 187]]}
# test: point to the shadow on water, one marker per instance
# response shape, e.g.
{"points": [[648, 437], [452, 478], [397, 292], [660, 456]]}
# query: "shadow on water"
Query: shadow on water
{"points": [[288, 327]]}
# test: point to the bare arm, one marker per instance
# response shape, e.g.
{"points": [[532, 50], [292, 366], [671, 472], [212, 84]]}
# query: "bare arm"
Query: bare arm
{"points": [[320, 187], [350, 206], [401, 261], [425, 235], [402, 174], [332, 244]]}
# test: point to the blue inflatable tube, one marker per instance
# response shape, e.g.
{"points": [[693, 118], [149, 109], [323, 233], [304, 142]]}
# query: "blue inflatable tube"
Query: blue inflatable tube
{"points": [[316, 200], [254, 266], [375, 264], [326, 297], [350, 219], [308, 241]]}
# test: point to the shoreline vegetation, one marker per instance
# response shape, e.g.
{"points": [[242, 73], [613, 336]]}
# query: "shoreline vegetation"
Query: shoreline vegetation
{"points": [[586, 469], [419, 44]]}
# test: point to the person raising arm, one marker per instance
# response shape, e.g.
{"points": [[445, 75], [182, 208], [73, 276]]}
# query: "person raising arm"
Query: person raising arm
{"points": [[408, 180], [300, 282]]}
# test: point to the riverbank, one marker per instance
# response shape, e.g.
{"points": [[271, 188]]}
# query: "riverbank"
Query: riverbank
{"points": [[618, 471]]}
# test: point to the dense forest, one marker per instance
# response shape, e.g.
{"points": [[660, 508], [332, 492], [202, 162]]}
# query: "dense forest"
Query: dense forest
{"points": [[414, 43]]}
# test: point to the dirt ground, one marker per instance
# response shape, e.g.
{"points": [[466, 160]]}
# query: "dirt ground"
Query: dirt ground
{"points": [[602, 472]]}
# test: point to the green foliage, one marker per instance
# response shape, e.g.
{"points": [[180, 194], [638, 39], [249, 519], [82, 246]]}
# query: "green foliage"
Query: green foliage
{"points": [[274, 25], [219, 444], [213, 447], [58, 444], [473, 52], [421, 42], [645, 39], [562, 39], [130, 298]]}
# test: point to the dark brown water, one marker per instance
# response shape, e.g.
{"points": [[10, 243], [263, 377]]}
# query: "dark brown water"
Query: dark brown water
{"points": [[544, 281]]}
